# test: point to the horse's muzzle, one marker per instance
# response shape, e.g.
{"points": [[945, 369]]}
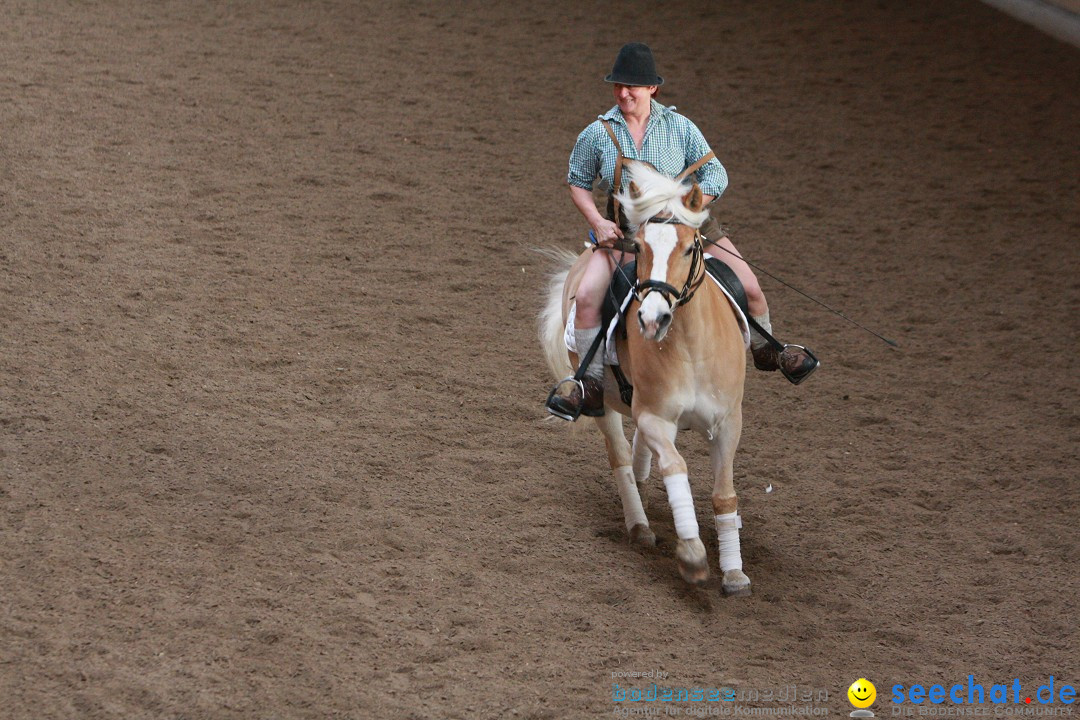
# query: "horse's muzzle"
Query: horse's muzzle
{"points": [[654, 325]]}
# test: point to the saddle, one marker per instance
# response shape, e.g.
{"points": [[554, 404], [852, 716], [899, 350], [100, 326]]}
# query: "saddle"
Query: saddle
{"points": [[622, 284], [618, 300]]}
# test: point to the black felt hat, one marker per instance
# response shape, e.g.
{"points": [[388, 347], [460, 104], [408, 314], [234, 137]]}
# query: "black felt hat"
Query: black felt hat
{"points": [[634, 66]]}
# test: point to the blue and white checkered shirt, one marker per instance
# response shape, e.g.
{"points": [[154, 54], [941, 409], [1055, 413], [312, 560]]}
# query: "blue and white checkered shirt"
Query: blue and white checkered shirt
{"points": [[672, 143]]}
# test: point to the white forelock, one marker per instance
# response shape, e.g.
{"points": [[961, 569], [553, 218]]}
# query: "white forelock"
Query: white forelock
{"points": [[657, 194]]}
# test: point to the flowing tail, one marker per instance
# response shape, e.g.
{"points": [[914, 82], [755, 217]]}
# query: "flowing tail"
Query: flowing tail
{"points": [[552, 324]]}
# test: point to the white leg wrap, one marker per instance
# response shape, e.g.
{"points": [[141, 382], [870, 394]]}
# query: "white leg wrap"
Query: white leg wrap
{"points": [[727, 533], [682, 506], [633, 512]]}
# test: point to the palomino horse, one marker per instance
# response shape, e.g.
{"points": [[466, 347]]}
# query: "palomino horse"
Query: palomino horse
{"points": [[685, 356]]}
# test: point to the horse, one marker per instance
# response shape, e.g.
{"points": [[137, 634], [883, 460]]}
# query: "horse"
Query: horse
{"points": [[686, 358]]}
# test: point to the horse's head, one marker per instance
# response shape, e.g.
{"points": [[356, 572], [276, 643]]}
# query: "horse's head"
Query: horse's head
{"points": [[665, 215]]}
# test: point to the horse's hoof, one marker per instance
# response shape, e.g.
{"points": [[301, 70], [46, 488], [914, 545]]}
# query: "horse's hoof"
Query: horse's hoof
{"points": [[736, 584], [642, 534], [693, 562]]}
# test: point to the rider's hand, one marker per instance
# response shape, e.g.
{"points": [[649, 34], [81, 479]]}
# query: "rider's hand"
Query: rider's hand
{"points": [[606, 232]]}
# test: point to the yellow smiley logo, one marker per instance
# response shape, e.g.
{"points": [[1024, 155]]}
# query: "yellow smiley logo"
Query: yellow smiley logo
{"points": [[862, 693]]}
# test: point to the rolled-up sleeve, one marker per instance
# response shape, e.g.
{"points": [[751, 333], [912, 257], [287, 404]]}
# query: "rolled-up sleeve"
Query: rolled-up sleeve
{"points": [[584, 159], [711, 177]]}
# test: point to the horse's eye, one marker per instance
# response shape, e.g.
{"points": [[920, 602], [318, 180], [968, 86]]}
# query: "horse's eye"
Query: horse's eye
{"points": [[689, 251]]}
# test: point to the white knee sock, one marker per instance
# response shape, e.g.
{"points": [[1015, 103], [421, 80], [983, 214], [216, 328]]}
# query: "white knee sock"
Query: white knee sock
{"points": [[756, 340], [727, 534], [584, 338]]}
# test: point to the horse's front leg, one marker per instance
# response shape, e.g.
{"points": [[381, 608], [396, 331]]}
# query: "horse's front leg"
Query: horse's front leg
{"points": [[725, 439], [637, 524], [659, 434]]}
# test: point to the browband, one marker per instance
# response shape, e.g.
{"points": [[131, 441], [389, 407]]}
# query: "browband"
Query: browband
{"points": [[665, 220]]}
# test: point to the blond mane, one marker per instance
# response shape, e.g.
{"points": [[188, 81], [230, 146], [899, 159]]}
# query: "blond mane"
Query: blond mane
{"points": [[656, 194]]}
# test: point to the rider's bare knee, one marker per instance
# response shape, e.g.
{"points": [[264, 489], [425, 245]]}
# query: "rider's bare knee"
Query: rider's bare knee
{"points": [[755, 299], [754, 293], [590, 293]]}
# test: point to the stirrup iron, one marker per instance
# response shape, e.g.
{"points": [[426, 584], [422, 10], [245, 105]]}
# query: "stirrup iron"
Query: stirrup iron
{"points": [[798, 350], [564, 409]]}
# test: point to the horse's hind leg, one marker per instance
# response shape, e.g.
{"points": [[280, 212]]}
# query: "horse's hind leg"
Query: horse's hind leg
{"points": [[642, 467], [659, 434], [637, 524], [726, 504]]}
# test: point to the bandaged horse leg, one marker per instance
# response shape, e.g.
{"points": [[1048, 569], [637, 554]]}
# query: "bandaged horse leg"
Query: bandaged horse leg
{"points": [[618, 450], [642, 467], [726, 503], [659, 434]]}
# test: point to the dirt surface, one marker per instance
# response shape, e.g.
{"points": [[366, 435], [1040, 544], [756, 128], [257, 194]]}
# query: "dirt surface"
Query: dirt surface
{"points": [[271, 434]]}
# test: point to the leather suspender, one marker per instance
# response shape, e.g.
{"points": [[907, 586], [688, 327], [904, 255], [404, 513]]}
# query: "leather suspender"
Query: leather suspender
{"points": [[696, 166], [620, 159]]}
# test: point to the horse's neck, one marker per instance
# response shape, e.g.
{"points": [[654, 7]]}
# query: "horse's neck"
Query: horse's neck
{"points": [[702, 350]]}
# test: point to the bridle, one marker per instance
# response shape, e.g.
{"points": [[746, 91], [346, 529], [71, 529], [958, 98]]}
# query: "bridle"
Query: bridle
{"points": [[694, 278]]}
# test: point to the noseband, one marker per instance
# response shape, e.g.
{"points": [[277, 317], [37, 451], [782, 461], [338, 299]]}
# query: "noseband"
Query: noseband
{"points": [[674, 297]]}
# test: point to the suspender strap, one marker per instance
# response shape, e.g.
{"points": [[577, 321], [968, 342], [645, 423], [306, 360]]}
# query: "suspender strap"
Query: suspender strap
{"points": [[620, 159], [696, 166], [618, 169]]}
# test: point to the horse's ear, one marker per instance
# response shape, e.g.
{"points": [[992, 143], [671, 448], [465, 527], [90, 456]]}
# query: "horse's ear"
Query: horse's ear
{"points": [[693, 200], [635, 191]]}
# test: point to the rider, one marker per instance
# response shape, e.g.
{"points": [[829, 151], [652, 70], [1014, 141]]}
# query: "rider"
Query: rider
{"points": [[649, 131]]}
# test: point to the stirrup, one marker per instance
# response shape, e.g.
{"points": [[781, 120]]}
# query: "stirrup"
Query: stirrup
{"points": [[805, 370], [562, 406]]}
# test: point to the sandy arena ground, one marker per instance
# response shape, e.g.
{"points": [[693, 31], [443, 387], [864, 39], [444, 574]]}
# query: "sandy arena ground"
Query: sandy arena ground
{"points": [[272, 442]]}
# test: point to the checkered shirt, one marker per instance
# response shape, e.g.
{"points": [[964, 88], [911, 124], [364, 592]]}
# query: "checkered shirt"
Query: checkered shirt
{"points": [[672, 143]]}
